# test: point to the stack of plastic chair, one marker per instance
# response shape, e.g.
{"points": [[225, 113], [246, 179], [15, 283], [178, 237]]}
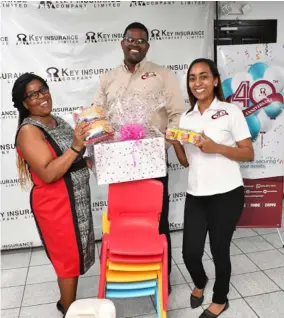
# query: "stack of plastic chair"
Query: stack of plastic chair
{"points": [[134, 256], [91, 308]]}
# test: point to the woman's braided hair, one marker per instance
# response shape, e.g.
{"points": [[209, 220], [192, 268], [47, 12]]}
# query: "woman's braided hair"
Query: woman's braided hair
{"points": [[18, 96]]}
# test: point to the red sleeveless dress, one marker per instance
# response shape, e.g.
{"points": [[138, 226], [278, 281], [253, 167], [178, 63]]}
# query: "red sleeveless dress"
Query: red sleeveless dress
{"points": [[62, 209]]}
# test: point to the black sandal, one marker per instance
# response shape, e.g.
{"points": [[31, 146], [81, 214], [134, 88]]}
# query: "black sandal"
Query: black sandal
{"points": [[195, 301], [208, 314], [60, 307]]}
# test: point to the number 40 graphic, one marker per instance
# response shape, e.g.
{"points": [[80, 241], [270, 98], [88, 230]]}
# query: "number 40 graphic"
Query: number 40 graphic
{"points": [[258, 91]]}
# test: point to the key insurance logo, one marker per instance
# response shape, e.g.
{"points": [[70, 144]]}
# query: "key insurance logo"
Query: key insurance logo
{"points": [[57, 74], [102, 37], [14, 4], [34, 39], [4, 40], [165, 34], [134, 4], [67, 5]]}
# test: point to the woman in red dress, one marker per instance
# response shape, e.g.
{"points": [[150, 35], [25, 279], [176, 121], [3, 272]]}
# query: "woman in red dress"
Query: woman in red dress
{"points": [[50, 156]]}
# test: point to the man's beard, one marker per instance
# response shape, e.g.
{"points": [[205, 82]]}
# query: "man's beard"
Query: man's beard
{"points": [[133, 60]]}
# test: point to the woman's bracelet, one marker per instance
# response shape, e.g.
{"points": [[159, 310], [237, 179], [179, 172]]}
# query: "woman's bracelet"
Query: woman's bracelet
{"points": [[75, 150]]}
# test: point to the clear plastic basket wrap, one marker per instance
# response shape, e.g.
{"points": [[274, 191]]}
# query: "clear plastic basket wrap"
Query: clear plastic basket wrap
{"points": [[136, 140]]}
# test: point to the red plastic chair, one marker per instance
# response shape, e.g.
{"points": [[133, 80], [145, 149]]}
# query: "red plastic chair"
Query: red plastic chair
{"points": [[135, 259], [134, 214], [144, 197], [135, 206]]}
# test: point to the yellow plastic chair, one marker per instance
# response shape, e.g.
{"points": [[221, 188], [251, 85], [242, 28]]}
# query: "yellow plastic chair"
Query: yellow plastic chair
{"points": [[105, 223], [127, 277], [133, 267]]}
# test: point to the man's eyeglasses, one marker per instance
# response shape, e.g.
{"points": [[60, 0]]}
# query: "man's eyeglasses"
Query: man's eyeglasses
{"points": [[34, 95], [135, 41]]}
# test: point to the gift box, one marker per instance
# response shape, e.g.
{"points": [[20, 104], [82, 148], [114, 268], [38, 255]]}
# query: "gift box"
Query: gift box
{"points": [[129, 160], [137, 149]]}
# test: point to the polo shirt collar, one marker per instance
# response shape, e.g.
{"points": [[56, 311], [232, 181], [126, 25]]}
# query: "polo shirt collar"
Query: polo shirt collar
{"points": [[215, 105], [137, 66]]}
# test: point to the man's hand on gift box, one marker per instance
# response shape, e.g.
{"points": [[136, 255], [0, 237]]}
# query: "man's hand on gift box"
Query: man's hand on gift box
{"points": [[89, 162]]}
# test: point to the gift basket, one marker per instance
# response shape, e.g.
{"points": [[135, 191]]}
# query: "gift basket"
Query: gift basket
{"points": [[124, 144]]}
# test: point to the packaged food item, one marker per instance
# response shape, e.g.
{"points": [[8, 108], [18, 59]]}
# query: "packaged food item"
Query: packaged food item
{"points": [[90, 114], [171, 133], [186, 136], [100, 130]]}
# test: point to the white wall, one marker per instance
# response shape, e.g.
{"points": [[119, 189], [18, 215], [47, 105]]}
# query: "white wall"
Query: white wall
{"points": [[261, 10]]}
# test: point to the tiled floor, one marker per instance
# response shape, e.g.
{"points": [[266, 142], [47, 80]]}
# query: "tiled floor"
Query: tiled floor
{"points": [[29, 286]]}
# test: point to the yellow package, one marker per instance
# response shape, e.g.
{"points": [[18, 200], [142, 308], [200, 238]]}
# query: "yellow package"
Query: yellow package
{"points": [[172, 134], [188, 136]]}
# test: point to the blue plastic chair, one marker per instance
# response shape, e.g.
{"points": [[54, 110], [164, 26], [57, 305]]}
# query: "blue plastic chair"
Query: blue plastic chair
{"points": [[136, 289], [133, 285]]}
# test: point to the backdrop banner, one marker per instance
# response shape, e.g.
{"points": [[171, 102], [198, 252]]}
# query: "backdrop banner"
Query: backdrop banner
{"points": [[70, 44], [253, 78]]}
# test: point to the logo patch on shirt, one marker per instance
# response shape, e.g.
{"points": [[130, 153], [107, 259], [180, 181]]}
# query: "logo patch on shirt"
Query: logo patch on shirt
{"points": [[220, 113], [148, 75]]}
